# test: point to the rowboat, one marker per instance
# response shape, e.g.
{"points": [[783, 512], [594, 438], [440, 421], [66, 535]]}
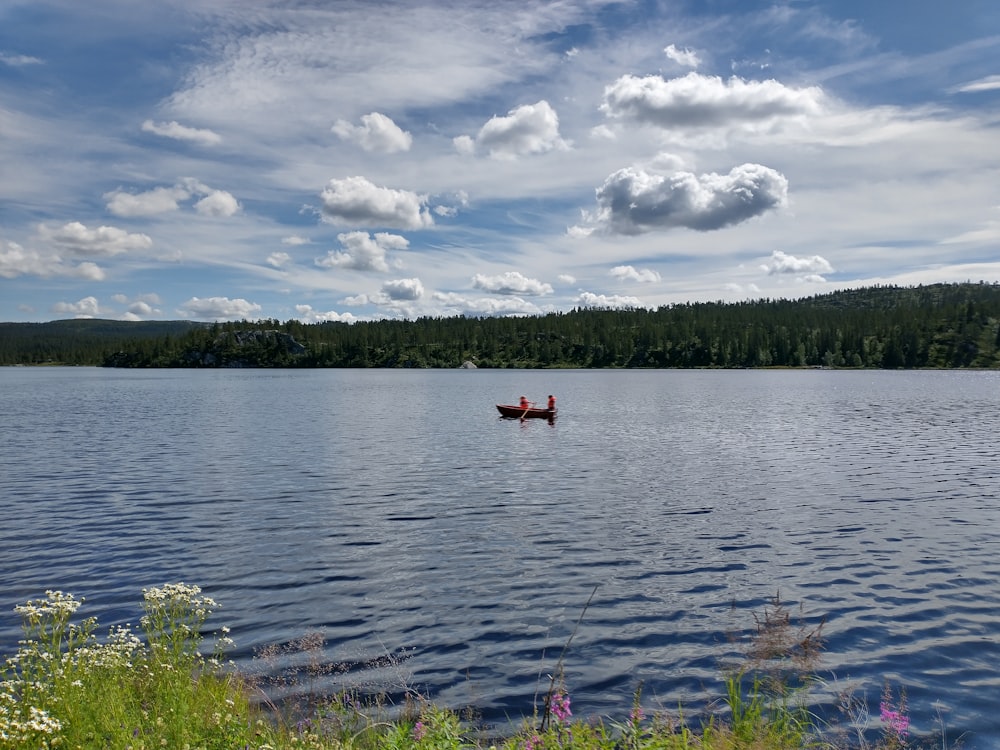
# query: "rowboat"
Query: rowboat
{"points": [[516, 412]]}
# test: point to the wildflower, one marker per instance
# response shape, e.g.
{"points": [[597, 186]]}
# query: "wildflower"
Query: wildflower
{"points": [[419, 731], [636, 715], [560, 707], [533, 742], [897, 721]]}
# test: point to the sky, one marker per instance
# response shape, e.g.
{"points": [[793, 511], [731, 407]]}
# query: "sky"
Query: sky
{"points": [[346, 160]]}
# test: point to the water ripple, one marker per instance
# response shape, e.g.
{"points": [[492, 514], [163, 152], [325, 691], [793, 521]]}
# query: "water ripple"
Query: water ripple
{"points": [[457, 555]]}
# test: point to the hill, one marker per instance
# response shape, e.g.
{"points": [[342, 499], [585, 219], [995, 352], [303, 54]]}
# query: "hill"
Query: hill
{"points": [[934, 326]]}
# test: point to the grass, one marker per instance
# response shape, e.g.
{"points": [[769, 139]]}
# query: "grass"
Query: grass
{"points": [[65, 688]]}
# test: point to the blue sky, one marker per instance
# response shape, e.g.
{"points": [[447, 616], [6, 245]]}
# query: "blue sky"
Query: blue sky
{"points": [[340, 160]]}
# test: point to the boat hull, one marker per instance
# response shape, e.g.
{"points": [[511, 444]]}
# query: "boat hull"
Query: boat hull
{"points": [[516, 412]]}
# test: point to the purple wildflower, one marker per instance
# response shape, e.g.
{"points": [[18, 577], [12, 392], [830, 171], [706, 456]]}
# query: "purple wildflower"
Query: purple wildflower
{"points": [[897, 721], [636, 715], [560, 707], [533, 742], [419, 731]]}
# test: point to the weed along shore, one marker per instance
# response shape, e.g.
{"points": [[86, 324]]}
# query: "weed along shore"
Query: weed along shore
{"points": [[157, 688]]}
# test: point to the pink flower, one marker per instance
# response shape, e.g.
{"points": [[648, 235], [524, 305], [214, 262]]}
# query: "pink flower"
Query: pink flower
{"points": [[419, 731], [533, 743], [560, 707], [897, 721]]}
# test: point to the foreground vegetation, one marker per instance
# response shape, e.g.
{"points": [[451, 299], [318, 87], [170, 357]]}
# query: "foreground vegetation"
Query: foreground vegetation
{"points": [[66, 689], [936, 326]]}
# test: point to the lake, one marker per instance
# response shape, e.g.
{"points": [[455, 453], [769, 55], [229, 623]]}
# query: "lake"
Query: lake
{"points": [[439, 547]]}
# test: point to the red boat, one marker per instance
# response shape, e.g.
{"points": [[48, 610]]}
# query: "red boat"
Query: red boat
{"points": [[516, 412]]}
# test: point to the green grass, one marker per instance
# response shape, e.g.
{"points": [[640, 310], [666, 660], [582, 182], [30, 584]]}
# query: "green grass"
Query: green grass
{"points": [[65, 688]]}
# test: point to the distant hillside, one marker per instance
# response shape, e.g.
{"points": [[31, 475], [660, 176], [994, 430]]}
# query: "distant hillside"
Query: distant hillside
{"points": [[80, 341], [933, 326]]}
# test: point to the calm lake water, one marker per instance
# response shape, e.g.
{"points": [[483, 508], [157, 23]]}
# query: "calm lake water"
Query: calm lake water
{"points": [[437, 546]]}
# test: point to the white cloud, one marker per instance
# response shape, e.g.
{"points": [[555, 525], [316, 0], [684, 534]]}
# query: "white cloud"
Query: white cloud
{"points": [[295, 239], [218, 308], [356, 201], [686, 57], [589, 299], [88, 271], [628, 273], [565, 278], [140, 308], [782, 263], [363, 252], [989, 83], [632, 201], [88, 307], [166, 199], [460, 305], [307, 315], [403, 289], [218, 203], [156, 201], [698, 101], [511, 282], [375, 133], [279, 259], [16, 260], [101, 242], [528, 129], [18, 61], [180, 132]]}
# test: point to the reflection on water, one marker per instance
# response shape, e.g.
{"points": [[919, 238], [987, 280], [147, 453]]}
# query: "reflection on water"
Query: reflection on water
{"points": [[396, 513]]}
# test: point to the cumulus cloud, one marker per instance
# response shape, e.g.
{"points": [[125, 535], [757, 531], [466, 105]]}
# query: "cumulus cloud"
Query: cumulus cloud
{"points": [[164, 199], [139, 308], [511, 282], [356, 201], [687, 58], [88, 307], [180, 132], [363, 252], [295, 239], [308, 315], [632, 201], [528, 129], [16, 260], [488, 306], [156, 201], [565, 278], [101, 242], [375, 133], [628, 273], [218, 308], [697, 100], [218, 203], [403, 289], [279, 259], [782, 263], [589, 299]]}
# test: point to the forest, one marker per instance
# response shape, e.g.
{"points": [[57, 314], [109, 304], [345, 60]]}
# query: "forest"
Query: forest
{"points": [[886, 327]]}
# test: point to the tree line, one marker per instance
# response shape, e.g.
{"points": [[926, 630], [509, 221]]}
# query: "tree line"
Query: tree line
{"points": [[887, 327]]}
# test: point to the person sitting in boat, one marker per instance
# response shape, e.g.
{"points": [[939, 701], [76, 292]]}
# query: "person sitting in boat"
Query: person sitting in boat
{"points": [[524, 403], [552, 402]]}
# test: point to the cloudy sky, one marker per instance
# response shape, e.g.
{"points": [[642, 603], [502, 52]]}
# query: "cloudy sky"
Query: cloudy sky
{"points": [[359, 159]]}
